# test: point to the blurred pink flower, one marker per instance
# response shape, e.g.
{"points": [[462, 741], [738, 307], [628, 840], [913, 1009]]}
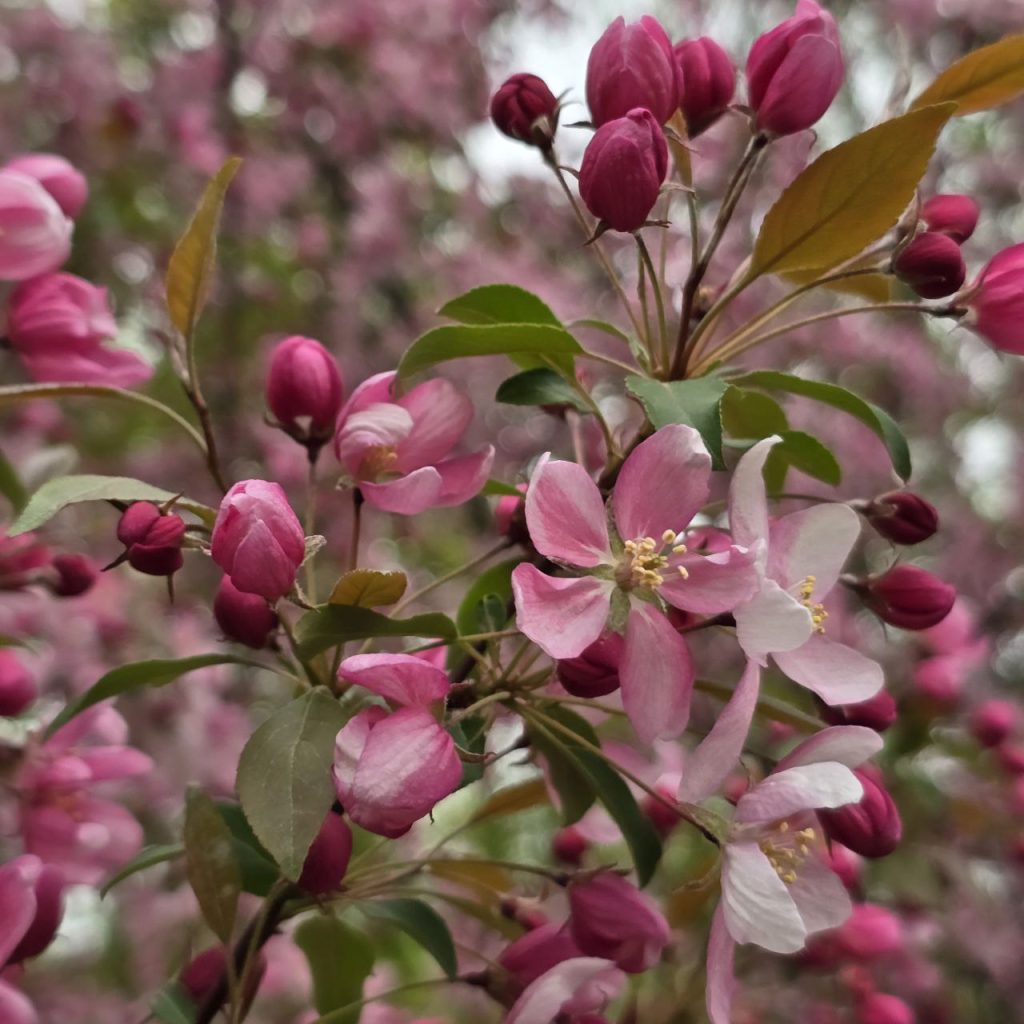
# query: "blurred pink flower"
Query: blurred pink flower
{"points": [[572, 988], [64, 182], [35, 235]]}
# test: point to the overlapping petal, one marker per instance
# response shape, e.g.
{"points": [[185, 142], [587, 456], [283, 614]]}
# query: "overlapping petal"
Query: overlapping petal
{"points": [[565, 514], [836, 673]]}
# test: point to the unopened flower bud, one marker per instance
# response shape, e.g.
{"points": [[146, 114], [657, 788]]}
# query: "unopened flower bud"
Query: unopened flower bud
{"points": [[17, 687], [870, 827], [623, 169], [903, 517], [21, 559], [595, 672], [568, 845], [996, 301], [879, 1008], [910, 597], [1011, 758], [931, 265], [953, 215], [245, 618], [152, 540], [536, 952], [795, 70], [328, 857], [76, 574], [67, 185], [869, 933], [510, 516], [661, 813], [206, 972], [35, 233], [304, 389], [993, 722], [632, 66], [524, 108], [708, 81], [49, 894], [878, 712]]}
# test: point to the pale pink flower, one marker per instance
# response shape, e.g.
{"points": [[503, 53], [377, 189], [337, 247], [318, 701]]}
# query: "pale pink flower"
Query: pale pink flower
{"points": [[398, 450], [35, 235], [632, 574], [570, 989], [799, 560], [61, 179]]}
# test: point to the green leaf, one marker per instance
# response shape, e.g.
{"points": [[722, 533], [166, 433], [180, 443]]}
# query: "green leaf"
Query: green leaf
{"points": [[879, 421], [497, 488], [985, 78], [147, 857], [340, 960], [171, 1005], [327, 627], [421, 923], [210, 864], [495, 580], [539, 386], [849, 196], [604, 327], [259, 872], [138, 676], [697, 403], [576, 793], [511, 800], [499, 304], [803, 452], [11, 486], [528, 344], [752, 414], [191, 266], [284, 776], [62, 491], [369, 588]]}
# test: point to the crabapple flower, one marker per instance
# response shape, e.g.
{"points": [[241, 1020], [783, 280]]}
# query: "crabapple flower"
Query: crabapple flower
{"points": [[795, 70], [75, 575], [595, 673], [35, 234], [64, 182], [800, 557], [708, 82], [993, 722], [304, 389], [872, 826], [995, 301], [910, 597], [570, 990], [524, 108], [398, 450], [27, 876], [245, 618], [257, 539], [152, 540], [878, 1008], [932, 265], [328, 856], [390, 768], [951, 214], [903, 517], [536, 952], [878, 713], [662, 485]]}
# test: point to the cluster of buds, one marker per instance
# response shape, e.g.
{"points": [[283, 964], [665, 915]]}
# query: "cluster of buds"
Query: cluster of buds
{"points": [[931, 264]]}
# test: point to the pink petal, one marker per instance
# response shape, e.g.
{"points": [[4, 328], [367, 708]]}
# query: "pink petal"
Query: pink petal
{"points": [[100, 365], [400, 678], [462, 477], [836, 673], [383, 425], [756, 904], [813, 542], [821, 898], [709, 765], [15, 1007], [115, 762], [408, 495], [372, 391], [804, 85], [721, 983], [771, 621], [349, 746], [663, 484], [807, 787], [851, 745], [656, 674], [714, 583], [17, 901], [748, 499], [565, 514], [562, 616], [542, 1001], [440, 413]]}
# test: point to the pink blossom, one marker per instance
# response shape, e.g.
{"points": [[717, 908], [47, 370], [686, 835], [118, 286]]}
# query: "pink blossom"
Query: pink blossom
{"points": [[996, 301], [573, 987], [536, 952], [66, 184], [399, 450], [35, 235], [661, 487], [800, 557]]}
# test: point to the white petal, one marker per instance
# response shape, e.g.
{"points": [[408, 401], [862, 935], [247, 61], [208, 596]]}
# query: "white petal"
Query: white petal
{"points": [[770, 622], [803, 788], [757, 905]]}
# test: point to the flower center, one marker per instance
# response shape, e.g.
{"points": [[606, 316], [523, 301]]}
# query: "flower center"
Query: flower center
{"points": [[378, 461], [644, 561], [817, 610], [787, 850]]}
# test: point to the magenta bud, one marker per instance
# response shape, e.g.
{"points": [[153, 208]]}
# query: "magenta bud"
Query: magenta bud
{"points": [[595, 672], [931, 265], [510, 516], [201, 977], [795, 70], [152, 540], [524, 108], [1011, 758], [328, 857], [953, 215], [870, 827], [632, 66], [304, 389], [846, 864], [76, 574], [996, 301], [660, 814], [245, 618], [568, 845], [878, 712], [903, 517], [910, 597], [879, 1008], [869, 933], [623, 170], [67, 185], [614, 920], [708, 81], [49, 895], [993, 722], [17, 687], [536, 952], [21, 559]]}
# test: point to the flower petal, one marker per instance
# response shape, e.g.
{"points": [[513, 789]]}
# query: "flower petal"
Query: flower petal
{"points": [[836, 673], [408, 495], [462, 477], [663, 484], [821, 898], [440, 414], [813, 542], [851, 745], [748, 499], [565, 514], [17, 901], [806, 787], [401, 678], [562, 616], [721, 984], [656, 675], [756, 903], [771, 621], [542, 1001], [714, 583], [382, 425]]}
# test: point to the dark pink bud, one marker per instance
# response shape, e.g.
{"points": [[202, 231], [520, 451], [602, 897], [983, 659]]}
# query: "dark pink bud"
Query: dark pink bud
{"points": [[76, 574], [996, 301], [49, 894], [17, 687], [878, 712], [510, 517], [304, 389], [879, 1008], [524, 108], [568, 845], [537, 952], [21, 558], [708, 81], [632, 66], [1011, 758], [953, 215], [940, 679], [152, 540], [795, 70], [595, 672], [328, 857], [871, 827], [846, 864], [910, 598], [869, 933], [903, 517], [931, 265], [67, 186], [613, 919], [246, 618], [659, 813], [993, 722], [623, 169], [207, 972]]}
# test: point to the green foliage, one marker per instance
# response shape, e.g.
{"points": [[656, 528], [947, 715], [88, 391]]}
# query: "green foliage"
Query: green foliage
{"points": [[499, 304], [320, 630], [340, 960], [539, 386], [210, 864], [421, 923], [803, 452], [369, 588]]}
